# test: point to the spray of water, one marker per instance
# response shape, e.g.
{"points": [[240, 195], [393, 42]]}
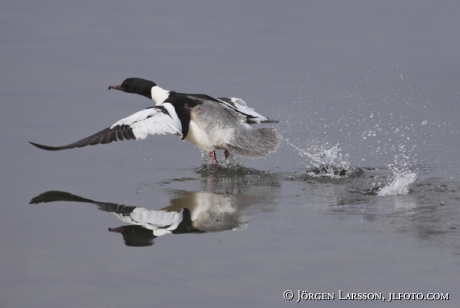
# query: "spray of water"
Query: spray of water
{"points": [[403, 177], [231, 163], [400, 185], [328, 161], [325, 160]]}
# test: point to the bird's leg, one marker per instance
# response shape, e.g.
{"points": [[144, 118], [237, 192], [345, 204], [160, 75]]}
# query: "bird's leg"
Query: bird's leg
{"points": [[226, 154], [213, 156]]}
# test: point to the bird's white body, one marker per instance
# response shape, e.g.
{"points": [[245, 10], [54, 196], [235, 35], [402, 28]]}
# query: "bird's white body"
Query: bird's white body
{"points": [[200, 138]]}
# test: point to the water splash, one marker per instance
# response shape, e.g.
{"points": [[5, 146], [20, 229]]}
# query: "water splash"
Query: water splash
{"points": [[232, 162], [325, 160], [403, 176], [400, 184]]}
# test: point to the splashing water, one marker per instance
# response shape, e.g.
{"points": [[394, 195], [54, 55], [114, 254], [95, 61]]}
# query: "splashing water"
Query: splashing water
{"points": [[400, 185], [403, 177], [232, 162], [325, 162]]}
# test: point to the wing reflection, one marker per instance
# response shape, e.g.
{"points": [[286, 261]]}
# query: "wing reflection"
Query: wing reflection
{"points": [[225, 204]]}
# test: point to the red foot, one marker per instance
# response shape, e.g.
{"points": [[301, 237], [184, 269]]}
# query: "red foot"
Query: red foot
{"points": [[213, 156]]}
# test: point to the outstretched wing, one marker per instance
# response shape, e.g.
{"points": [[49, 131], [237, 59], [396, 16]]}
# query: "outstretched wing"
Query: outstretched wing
{"points": [[157, 120], [240, 106]]}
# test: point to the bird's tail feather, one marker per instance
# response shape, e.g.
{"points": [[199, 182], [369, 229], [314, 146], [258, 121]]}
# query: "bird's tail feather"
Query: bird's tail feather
{"points": [[254, 142]]}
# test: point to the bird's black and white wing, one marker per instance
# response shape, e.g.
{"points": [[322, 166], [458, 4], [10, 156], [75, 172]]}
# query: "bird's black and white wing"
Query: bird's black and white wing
{"points": [[159, 221], [240, 106], [157, 120]]}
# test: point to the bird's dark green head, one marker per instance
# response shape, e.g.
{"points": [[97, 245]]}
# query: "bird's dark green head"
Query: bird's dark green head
{"points": [[136, 85]]}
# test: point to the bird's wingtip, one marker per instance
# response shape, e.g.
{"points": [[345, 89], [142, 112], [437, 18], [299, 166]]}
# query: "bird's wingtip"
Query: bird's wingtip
{"points": [[43, 147]]}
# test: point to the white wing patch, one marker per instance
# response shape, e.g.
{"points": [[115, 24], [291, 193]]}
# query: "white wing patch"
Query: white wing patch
{"points": [[153, 121], [243, 107], [153, 220], [240, 105]]}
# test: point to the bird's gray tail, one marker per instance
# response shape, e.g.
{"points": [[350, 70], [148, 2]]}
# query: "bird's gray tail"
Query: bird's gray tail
{"points": [[254, 142]]}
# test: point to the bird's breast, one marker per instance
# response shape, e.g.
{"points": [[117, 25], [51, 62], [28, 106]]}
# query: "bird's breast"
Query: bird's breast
{"points": [[199, 137]]}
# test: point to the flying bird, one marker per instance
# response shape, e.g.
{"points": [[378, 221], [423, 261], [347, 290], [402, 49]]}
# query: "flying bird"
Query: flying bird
{"points": [[209, 123]]}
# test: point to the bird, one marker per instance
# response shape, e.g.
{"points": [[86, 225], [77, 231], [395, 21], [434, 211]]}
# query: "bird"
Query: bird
{"points": [[151, 90], [209, 123]]}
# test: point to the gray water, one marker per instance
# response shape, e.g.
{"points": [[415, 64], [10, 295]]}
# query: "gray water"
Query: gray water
{"points": [[368, 90]]}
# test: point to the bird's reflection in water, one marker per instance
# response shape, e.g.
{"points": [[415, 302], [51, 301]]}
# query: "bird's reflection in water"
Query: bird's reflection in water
{"points": [[225, 202]]}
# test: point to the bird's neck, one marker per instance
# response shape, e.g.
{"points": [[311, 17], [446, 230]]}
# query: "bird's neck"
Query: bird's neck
{"points": [[159, 95]]}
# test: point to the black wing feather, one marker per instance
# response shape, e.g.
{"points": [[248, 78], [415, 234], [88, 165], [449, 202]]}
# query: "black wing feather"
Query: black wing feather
{"points": [[119, 134], [104, 136], [125, 132]]}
